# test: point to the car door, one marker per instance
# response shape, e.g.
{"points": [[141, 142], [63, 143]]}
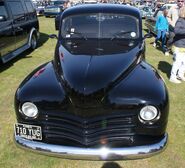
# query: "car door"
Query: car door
{"points": [[7, 37], [19, 22]]}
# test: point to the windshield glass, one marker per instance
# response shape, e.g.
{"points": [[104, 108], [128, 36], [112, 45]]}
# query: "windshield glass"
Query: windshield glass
{"points": [[100, 33], [100, 26]]}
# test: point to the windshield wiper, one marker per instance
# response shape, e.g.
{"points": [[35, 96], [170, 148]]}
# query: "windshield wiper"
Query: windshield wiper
{"points": [[77, 33], [119, 34]]}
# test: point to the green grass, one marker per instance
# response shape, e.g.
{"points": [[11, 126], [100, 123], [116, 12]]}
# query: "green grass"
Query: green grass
{"points": [[15, 71]]}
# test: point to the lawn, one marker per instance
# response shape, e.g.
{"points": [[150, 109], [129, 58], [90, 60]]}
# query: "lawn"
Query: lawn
{"points": [[12, 73]]}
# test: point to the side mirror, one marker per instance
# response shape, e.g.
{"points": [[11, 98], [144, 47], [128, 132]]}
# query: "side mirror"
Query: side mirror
{"points": [[53, 36], [2, 18]]}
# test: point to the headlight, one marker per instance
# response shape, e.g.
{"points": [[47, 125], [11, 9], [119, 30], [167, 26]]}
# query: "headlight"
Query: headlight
{"points": [[148, 114], [29, 109]]}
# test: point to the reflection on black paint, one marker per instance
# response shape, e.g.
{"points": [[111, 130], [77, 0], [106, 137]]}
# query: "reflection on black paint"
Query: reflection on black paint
{"points": [[99, 46]]}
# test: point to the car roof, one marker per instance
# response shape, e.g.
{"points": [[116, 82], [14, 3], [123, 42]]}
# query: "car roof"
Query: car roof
{"points": [[102, 8]]}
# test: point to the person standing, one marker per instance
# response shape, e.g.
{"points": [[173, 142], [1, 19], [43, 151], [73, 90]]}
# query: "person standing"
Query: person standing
{"points": [[162, 28], [178, 67], [173, 13]]}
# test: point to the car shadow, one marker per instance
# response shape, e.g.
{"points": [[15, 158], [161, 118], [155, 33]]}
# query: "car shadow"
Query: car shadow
{"points": [[165, 67], [111, 165], [43, 38], [159, 47], [25, 55]]}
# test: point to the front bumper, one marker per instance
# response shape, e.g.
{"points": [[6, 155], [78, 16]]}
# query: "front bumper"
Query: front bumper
{"points": [[103, 153], [51, 14]]}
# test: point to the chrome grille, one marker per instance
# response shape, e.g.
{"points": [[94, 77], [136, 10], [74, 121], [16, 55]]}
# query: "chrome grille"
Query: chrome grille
{"points": [[87, 131]]}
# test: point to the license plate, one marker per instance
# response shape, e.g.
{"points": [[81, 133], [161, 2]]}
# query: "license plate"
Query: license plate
{"points": [[30, 132]]}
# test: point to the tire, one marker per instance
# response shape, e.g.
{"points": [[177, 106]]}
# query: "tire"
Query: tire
{"points": [[33, 42]]}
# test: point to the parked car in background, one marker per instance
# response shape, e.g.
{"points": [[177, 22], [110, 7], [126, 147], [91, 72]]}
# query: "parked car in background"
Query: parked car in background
{"points": [[39, 6], [150, 22], [19, 28], [54, 8], [98, 99], [145, 11], [40, 10]]}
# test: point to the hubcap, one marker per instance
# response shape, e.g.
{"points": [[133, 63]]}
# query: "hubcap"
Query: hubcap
{"points": [[33, 42]]}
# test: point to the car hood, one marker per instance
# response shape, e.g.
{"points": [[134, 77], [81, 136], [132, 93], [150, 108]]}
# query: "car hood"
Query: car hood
{"points": [[93, 71]]}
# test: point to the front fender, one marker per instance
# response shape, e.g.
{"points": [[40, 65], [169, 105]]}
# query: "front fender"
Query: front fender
{"points": [[143, 83], [143, 86], [41, 87]]}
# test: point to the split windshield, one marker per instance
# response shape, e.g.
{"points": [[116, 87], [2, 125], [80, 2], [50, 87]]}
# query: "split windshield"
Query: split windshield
{"points": [[100, 26]]}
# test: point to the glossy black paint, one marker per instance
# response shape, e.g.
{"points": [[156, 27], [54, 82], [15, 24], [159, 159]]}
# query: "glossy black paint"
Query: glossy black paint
{"points": [[7, 38], [94, 100], [106, 69], [16, 29]]}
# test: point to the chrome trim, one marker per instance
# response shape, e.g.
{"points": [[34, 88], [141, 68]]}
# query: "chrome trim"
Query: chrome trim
{"points": [[103, 153]]}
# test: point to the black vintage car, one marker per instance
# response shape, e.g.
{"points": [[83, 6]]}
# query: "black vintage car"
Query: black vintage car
{"points": [[19, 28], [98, 99]]}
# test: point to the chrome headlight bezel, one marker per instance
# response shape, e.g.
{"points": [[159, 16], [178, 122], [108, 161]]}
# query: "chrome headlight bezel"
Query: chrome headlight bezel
{"points": [[149, 114], [29, 110]]}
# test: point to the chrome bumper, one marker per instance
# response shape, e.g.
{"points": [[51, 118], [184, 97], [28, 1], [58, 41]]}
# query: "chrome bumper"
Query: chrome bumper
{"points": [[103, 153]]}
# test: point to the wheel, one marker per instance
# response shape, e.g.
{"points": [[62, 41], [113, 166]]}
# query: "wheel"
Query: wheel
{"points": [[33, 42]]}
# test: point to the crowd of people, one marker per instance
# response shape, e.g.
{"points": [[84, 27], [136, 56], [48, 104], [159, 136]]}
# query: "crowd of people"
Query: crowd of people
{"points": [[175, 17]]}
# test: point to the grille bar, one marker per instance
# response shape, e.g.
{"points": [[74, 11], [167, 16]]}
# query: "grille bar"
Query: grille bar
{"points": [[57, 127]]}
